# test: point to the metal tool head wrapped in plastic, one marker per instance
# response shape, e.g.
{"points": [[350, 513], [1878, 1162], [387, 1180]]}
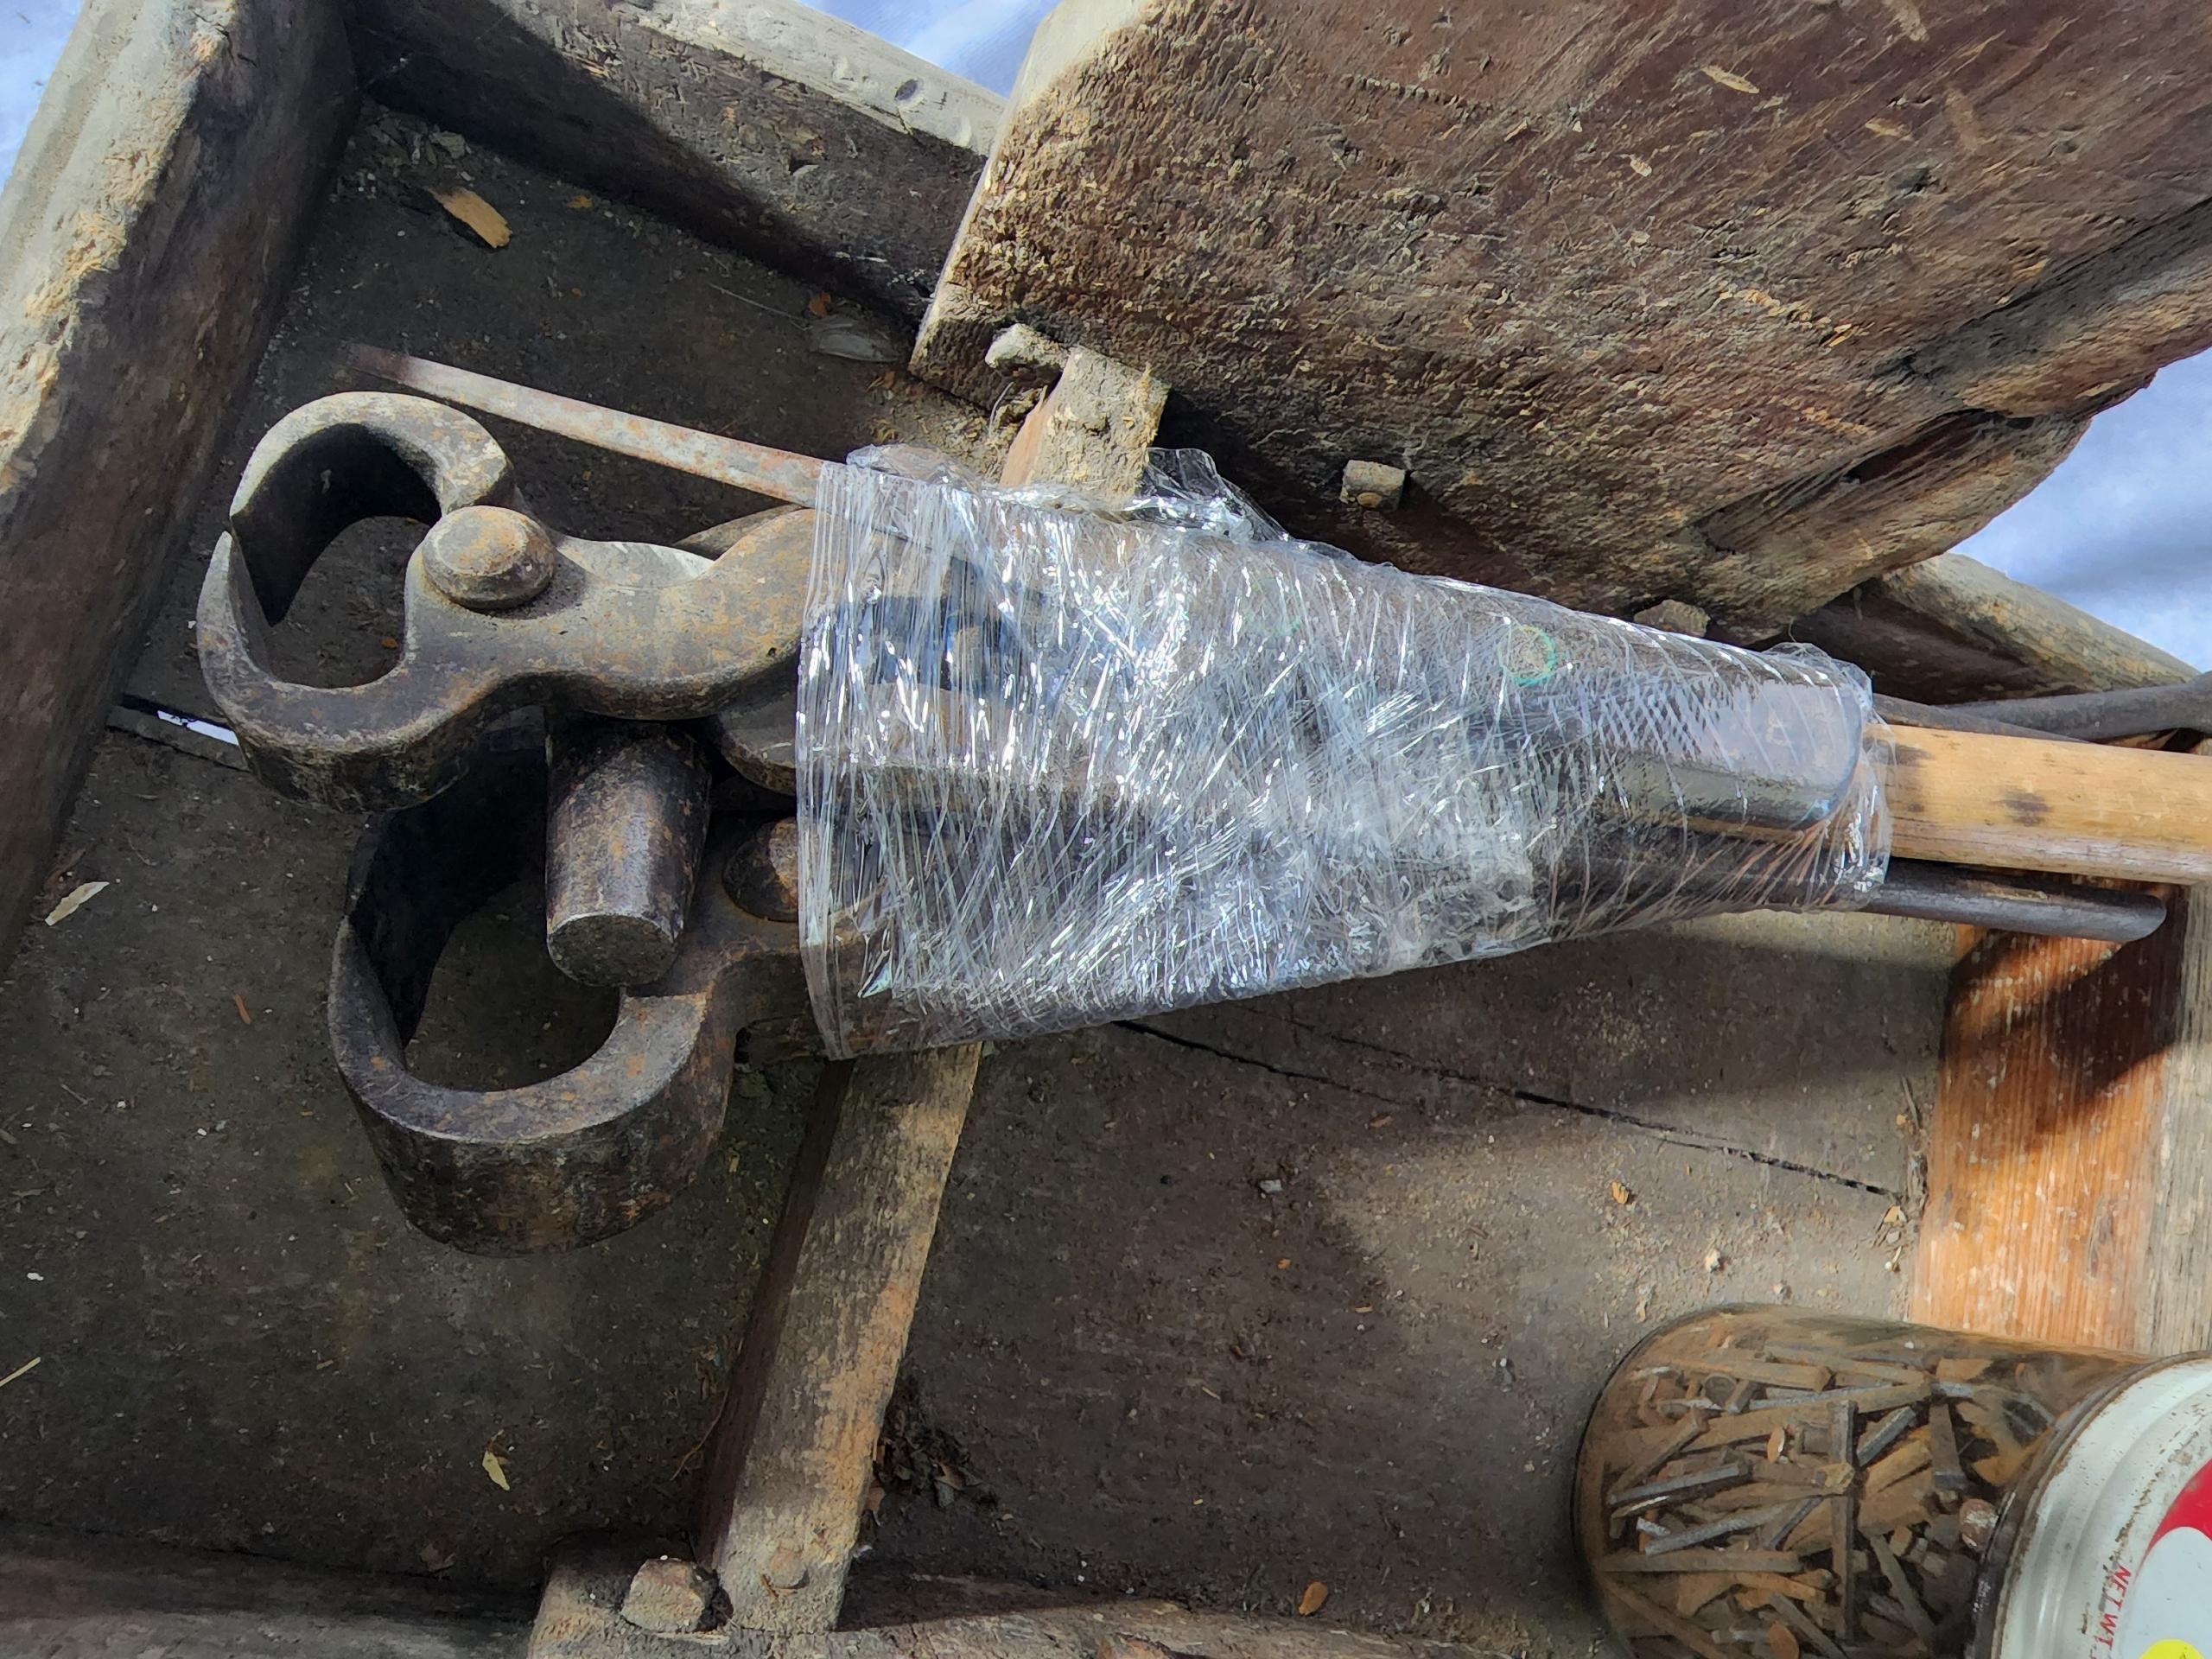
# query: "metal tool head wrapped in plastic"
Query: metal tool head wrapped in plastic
{"points": [[1059, 767]]}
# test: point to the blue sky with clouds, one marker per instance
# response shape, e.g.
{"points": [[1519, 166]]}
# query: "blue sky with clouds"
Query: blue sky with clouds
{"points": [[2122, 528]]}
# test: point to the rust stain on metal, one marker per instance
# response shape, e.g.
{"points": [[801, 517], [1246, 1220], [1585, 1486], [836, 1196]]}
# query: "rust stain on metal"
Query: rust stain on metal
{"points": [[620, 629], [575, 1158], [777, 473]]}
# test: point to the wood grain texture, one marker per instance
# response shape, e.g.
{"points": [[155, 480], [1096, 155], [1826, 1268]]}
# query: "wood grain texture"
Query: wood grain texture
{"points": [[1093, 430], [2175, 1299], [769, 126], [2071, 809], [90, 1598], [577, 1620], [149, 227], [2070, 1148], [1739, 302], [795, 1447], [2047, 1146], [1953, 630]]}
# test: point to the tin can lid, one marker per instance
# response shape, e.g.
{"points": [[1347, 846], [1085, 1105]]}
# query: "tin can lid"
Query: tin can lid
{"points": [[2115, 1559]]}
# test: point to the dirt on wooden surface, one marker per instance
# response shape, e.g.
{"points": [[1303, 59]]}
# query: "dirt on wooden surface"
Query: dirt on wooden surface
{"points": [[240, 1343], [1316, 1289], [1320, 1288]]}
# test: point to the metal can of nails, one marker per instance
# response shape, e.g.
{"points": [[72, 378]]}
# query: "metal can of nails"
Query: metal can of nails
{"points": [[1775, 1483]]}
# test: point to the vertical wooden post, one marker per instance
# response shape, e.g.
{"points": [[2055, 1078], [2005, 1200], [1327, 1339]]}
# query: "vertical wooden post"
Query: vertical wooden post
{"points": [[795, 1447], [2068, 1146], [795, 1452]]}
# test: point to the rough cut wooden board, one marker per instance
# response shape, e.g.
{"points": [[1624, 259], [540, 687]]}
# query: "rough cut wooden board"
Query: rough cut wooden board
{"points": [[2045, 1148], [1736, 301], [2069, 1146], [74, 1597], [145, 238]]}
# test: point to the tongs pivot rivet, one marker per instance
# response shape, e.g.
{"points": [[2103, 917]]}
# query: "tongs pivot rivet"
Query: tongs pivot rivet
{"points": [[489, 558]]}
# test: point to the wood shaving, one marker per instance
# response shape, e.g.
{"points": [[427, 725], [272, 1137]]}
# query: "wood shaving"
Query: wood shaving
{"points": [[478, 216], [79, 898]]}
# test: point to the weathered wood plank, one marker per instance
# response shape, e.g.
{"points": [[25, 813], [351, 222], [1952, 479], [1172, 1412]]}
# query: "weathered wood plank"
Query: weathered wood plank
{"points": [[781, 1513], [577, 1620], [2046, 1143], [768, 126], [795, 1447], [150, 225], [1094, 429], [2069, 1148], [1733, 300], [90, 1599], [1953, 630]]}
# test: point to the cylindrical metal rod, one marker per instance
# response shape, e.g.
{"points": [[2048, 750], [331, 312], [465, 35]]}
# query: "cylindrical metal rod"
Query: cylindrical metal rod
{"points": [[777, 473], [2018, 904], [1961, 717], [2130, 712], [626, 824]]}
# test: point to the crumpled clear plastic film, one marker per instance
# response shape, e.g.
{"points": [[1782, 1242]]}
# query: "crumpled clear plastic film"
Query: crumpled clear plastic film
{"points": [[1059, 767]]}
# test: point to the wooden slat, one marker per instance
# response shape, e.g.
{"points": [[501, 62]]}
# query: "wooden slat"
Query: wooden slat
{"points": [[149, 229], [781, 1513], [2047, 1143], [73, 1597], [1093, 431], [1953, 630], [577, 1620], [2074, 809], [796, 1447]]}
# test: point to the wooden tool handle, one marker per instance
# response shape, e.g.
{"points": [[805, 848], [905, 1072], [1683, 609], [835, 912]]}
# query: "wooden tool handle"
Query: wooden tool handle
{"points": [[2071, 809]]}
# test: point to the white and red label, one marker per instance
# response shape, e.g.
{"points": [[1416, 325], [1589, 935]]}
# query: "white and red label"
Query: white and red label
{"points": [[2163, 1609]]}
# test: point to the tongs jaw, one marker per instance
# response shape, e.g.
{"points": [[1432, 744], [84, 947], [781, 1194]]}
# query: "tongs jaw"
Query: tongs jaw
{"points": [[582, 1155], [500, 612]]}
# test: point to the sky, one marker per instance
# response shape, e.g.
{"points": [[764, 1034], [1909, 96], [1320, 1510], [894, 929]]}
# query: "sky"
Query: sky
{"points": [[31, 33], [2123, 528], [982, 39]]}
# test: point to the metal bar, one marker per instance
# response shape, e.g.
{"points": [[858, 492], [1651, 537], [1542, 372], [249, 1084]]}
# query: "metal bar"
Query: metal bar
{"points": [[626, 827], [1961, 717], [2134, 711], [2018, 904], [777, 473]]}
